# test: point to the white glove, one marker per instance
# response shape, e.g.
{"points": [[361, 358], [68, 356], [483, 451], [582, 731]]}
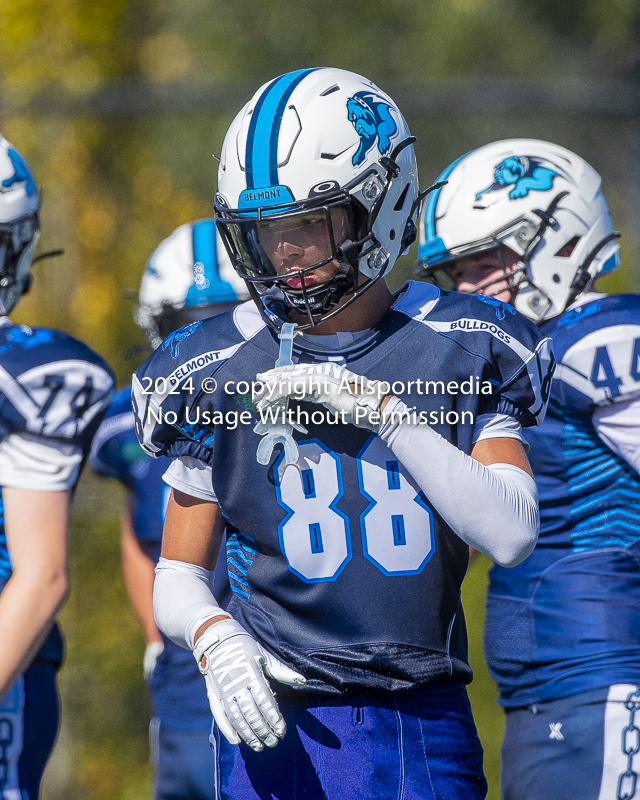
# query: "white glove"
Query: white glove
{"points": [[328, 384], [151, 653], [241, 700]]}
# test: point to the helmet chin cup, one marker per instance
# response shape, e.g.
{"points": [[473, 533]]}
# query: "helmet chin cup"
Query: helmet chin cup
{"points": [[532, 302]]}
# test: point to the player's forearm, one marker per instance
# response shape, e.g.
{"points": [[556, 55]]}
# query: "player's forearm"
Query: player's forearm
{"points": [[138, 573], [28, 606], [492, 508], [183, 601], [36, 525]]}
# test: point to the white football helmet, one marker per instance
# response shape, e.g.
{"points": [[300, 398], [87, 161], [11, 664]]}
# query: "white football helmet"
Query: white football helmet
{"points": [[323, 148], [187, 277], [540, 200], [19, 225]]}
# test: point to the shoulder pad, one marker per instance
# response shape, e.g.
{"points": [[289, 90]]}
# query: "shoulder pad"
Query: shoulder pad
{"points": [[119, 420], [520, 355], [51, 385], [598, 351], [176, 370]]}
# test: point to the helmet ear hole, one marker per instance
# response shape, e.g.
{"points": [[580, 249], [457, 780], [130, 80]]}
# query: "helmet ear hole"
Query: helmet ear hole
{"points": [[566, 251], [400, 201]]}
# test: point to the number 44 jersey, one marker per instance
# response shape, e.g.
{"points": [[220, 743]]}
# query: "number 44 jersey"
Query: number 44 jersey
{"points": [[341, 566], [567, 619], [54, 392]]}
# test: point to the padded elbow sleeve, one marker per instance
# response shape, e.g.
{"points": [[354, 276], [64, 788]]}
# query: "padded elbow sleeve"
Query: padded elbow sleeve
{"points": [[183, 600]]}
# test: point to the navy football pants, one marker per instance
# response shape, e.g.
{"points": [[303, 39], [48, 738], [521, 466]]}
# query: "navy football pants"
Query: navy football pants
{"points": [[28, 727], [415, 745], [184, 769], [583, 747]]}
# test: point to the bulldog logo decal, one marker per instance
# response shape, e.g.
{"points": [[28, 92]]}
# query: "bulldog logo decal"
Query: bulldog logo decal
{"points": [[371, 116], [524, 174]]}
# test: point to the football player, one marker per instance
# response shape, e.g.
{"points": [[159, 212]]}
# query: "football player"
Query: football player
{"points": [[54, 392], [188, 277], [526, 222], [352, 539]]}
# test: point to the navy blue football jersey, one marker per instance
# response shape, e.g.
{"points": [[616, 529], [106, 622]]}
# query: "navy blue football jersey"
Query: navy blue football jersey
{"points": [[117, 454], [567, 619], [54, 388], [342, 567], [177, 689]]}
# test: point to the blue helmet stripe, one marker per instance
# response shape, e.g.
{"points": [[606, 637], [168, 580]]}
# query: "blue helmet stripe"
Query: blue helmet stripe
{"points": [[210, 288], [262, 139], [433, 243]]}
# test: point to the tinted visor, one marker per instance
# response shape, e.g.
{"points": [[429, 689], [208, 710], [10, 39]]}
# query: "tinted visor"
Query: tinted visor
{"points": [[278, 245]]}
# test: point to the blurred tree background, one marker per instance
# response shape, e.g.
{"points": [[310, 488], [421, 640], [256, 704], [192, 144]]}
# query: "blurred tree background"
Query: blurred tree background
{"points": [[118, 106]]}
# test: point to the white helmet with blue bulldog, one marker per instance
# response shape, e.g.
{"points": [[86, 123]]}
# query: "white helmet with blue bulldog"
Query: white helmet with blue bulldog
{"points": [[321, 147], [187, 277], [19, 225], [543, 202]]}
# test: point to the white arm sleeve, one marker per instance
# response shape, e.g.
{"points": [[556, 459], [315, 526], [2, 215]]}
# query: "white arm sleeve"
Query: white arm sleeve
{"points": [[44, 465], [493, 509], [619, 428], [188, 475], [498, 426], [183, 600]]}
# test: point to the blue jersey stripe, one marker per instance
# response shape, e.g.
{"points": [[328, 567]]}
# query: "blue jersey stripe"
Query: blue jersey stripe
{"points": [[262, 139]]}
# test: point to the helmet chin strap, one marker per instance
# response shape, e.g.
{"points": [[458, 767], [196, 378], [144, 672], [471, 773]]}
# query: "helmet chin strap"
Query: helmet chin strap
{"points": [[326, 297], [274, 310], [583, 276]]}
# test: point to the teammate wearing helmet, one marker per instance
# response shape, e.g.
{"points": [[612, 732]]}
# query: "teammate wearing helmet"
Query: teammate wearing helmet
{"points": [[351, 543], [54, 392], [188, 277], [526, 222]]}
